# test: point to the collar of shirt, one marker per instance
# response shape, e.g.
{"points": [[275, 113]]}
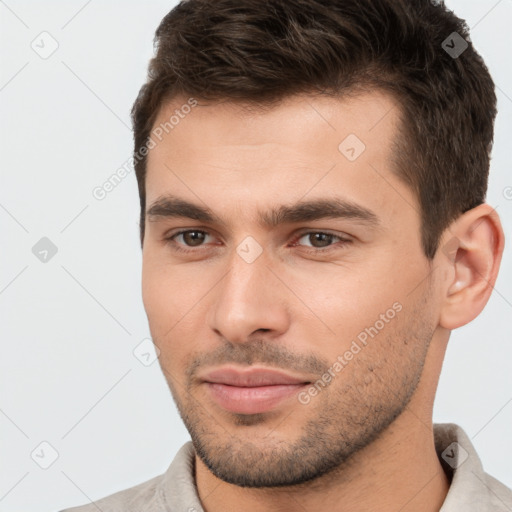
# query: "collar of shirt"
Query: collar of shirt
{"points": [[471, 489]]}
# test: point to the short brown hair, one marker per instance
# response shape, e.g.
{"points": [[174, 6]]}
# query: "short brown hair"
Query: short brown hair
{"points": [[262, 51]]}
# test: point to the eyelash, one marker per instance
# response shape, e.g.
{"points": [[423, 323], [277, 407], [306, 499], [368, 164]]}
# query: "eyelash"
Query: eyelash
{"points": [[177, 247]]}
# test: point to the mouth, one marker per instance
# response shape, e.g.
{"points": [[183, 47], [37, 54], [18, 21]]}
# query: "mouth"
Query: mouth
{"points": [[251, 391]]}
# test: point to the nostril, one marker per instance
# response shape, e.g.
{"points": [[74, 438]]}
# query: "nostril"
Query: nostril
{"points": [[260, 331]]}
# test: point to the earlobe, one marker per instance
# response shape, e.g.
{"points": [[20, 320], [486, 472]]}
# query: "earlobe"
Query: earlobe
{"points": [[470, 255]]}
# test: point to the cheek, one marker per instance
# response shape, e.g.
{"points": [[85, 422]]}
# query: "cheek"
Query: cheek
{"points": [[354, 306], [154, 293], [164, 298], [166, 288], [172, 301], [345, 299], [161, 307]]}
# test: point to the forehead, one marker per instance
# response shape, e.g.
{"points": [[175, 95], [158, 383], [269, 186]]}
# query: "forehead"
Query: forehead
{"points": [[226, 155], [295, 120]]}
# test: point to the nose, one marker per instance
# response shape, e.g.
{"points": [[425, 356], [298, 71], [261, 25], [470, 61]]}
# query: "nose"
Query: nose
{"points": [[249, 299]]}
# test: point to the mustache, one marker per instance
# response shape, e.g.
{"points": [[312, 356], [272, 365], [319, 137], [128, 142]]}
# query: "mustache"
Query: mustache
{"points": [[264, 352]]}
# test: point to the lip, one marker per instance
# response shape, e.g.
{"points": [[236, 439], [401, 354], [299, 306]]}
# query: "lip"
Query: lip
{"points": [[251, 391], [252, 377]]}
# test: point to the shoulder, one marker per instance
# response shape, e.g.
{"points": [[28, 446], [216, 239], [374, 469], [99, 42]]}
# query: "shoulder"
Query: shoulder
{"points": [[471, 488], [144, 496], [175, 486], [499, 495]]}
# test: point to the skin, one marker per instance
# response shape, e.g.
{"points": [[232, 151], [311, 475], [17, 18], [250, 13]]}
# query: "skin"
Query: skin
{"points": [[365, 441]]}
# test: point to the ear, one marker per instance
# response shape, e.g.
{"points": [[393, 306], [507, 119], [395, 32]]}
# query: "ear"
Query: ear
{"points": [[469, 256]]}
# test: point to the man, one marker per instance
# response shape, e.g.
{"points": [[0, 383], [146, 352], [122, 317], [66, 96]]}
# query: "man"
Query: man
{"points": [[312, 177]]}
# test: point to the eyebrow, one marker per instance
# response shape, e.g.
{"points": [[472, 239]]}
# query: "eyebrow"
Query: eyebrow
{"points": [[332, 208]]}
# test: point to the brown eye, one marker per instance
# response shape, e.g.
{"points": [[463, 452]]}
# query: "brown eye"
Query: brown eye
{"points": [[319, 240], [191, 238]]}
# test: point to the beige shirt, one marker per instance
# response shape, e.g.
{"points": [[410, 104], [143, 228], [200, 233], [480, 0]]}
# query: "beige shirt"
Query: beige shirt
{"points": [[471, 489]]}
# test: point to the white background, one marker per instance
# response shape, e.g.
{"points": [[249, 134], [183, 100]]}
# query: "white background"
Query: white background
{"points": [[68, 375]]}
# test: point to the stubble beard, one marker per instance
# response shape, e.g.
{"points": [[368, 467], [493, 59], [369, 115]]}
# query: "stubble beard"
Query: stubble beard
{"points": [[357, 407]]}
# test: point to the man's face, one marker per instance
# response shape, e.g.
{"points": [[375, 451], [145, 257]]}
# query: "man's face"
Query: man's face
{"points": [[255, 307]]}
